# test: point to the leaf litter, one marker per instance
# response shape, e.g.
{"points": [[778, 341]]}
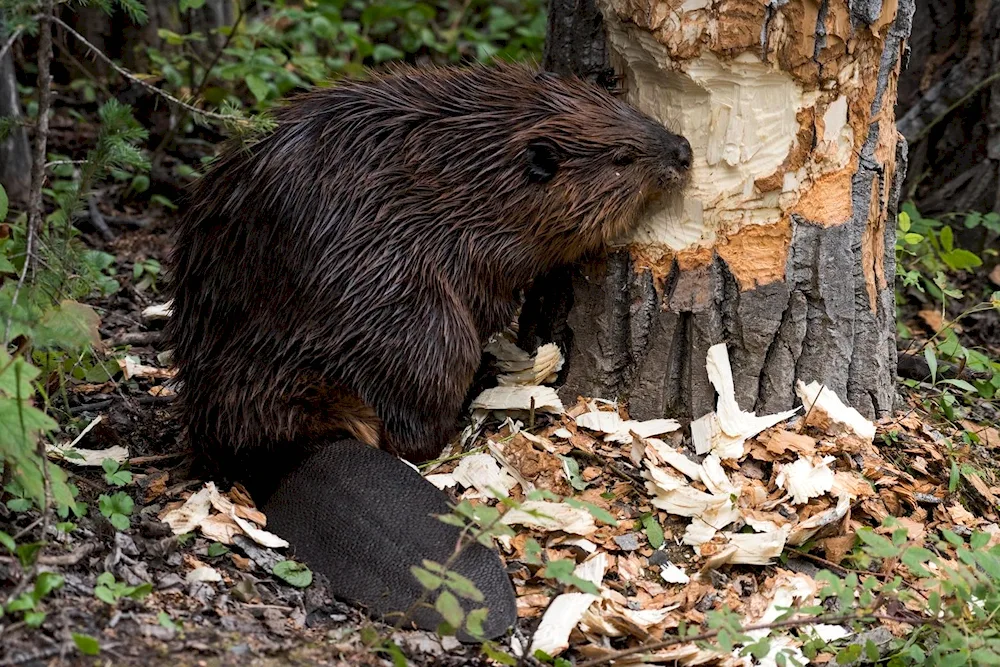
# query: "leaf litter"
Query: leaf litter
{"points": [[731, 491], [667, 520]]}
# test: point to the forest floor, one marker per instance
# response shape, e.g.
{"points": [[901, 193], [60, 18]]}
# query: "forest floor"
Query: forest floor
{"points": [[189, 599]]}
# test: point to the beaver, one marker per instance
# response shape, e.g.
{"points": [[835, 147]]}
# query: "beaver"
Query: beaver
{"points": [[334, 283]]}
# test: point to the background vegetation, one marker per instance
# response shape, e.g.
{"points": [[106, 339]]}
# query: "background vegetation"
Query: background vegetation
{"points": [[143, 93]]}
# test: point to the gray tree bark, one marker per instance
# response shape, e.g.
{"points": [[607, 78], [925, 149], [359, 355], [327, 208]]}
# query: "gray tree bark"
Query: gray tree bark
{"points": [[15, 153], [795, 272]]}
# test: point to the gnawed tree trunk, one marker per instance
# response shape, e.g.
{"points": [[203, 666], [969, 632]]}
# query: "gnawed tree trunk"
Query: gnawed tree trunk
{"points": [[15, 153], [782, 246]]}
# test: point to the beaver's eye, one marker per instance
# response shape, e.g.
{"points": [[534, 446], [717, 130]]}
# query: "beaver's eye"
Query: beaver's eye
{"points": [[543, 161], [622, 158]]}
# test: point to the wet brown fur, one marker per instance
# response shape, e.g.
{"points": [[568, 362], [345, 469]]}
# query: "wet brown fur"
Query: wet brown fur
{"points": [[342, 274]]}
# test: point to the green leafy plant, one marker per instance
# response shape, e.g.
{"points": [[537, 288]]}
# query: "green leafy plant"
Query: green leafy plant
{"points": [[117, 509], [114, 474], [163, 618], [291, 46], [928, 260], [27, 603], [293, 573], [86, 644], [111, 591], [216, 549], [145, 273]]}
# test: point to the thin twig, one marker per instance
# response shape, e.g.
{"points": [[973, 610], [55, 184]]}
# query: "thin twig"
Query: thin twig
{"points": [[962, 100], [35, 208], [10, 42], [62, 560], [59, 163], [98, 221], [36, 213], [200, 88], [148, 86]]}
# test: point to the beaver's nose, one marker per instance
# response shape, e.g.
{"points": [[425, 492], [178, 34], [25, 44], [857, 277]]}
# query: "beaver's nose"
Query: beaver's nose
{"points": [[680, 154]]}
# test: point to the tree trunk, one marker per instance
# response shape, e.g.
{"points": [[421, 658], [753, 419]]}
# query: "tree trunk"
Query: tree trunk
{"points": [[15, 153], [783, 245], [121, 39], [950, 106]]}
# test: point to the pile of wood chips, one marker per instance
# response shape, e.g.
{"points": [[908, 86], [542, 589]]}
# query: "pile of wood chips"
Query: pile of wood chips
{"points": [[731, 492]]}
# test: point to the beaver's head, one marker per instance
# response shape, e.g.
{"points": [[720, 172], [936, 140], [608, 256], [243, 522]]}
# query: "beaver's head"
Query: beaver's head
{"points": [[599, 156], [506, 148]]}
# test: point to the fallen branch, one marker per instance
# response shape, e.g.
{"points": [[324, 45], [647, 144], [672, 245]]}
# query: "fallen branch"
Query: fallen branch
{"points": [[134, 338], [915, 367], [97, 220], [10, 42]]}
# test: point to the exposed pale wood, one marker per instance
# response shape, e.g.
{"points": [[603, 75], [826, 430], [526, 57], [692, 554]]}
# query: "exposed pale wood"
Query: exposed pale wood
{"points": [[639, 328]]}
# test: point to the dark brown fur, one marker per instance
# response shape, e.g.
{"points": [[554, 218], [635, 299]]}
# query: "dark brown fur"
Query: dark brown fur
{"points": [[342, 274]]}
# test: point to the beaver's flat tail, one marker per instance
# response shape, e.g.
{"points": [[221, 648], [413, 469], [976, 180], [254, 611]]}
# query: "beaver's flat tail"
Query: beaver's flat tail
{"points": [[363, 518]]}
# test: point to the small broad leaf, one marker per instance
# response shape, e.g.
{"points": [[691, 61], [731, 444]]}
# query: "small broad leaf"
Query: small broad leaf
{"points": [[931, 358], [69, 326], [185, 5], [877, 545], [947, 238], [27, 553], [86, 644], [23, 602], [961, 384], [654, 532], [915, 558], [7, 542], [571, 468], [34, 619], [463, 586], [532, 552], [562, 571], [384, 52], [595, 511], [216, 549], [46, 583], [904, 221], [495, 653], [170, 624], [140, 591], [982, 656], [474, 621], [961, 260], [451, 611], [4, 204], [296, 574], [428, 580], [258, 87]]}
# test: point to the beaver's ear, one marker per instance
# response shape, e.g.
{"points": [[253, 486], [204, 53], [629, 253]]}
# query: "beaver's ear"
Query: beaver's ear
{"points": [[543, 161]]}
